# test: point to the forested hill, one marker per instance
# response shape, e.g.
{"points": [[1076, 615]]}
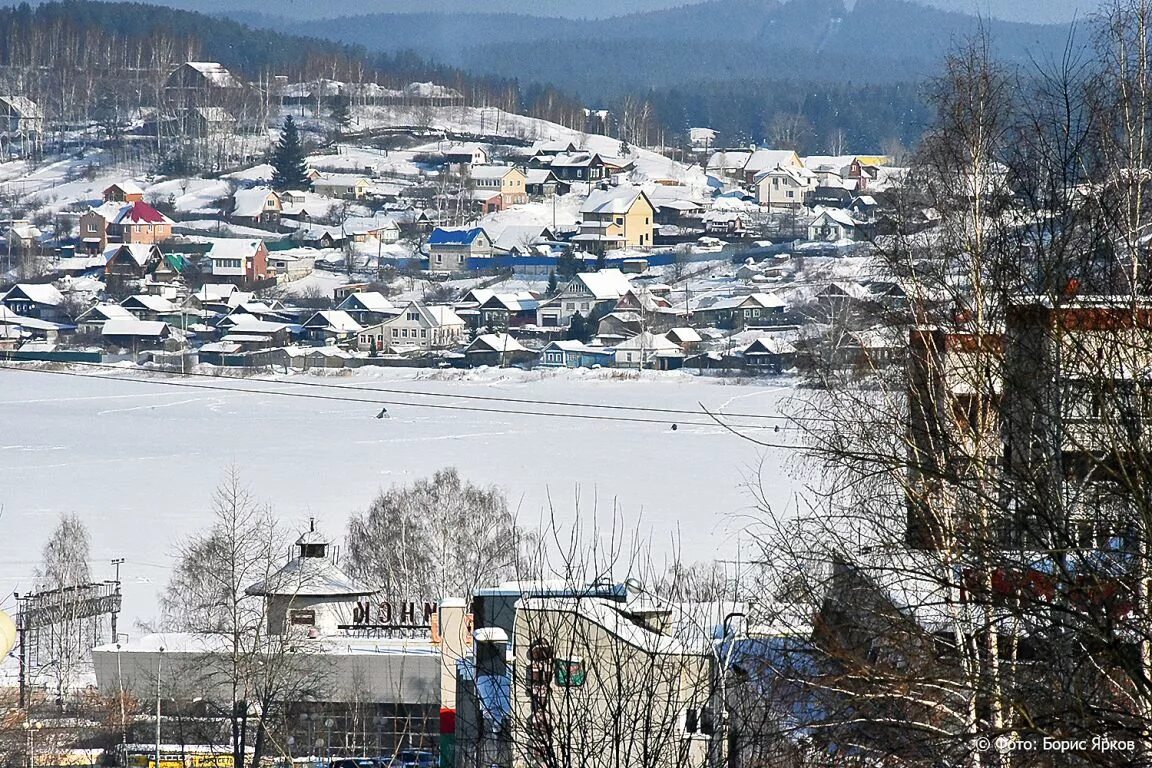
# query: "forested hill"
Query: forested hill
{"points": [[86, 32], [722, 40]]}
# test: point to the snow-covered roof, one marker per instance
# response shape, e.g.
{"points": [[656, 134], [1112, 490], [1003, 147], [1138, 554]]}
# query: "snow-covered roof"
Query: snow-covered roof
{"points": [[495, 342], [139, 252], [23, 106], [150, 302], [138, 212], [250, 203], [371, 301], [442, 315], [431, 91], [215, 73], [539, 176], [215, 291], [838, 215], [614, 200], [763, 159], [648, 342], [764, 300], [45, 293], [728, 161], [488, 172], [310, 577], [103, 312], [334, 320], [771, 345], [686, 334], [126, 187], [130, 326], [231, 248], [605, 284]]}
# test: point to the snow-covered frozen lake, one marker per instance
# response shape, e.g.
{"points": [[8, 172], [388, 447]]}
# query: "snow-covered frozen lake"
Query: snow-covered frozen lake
{"points": [[138, 460]]}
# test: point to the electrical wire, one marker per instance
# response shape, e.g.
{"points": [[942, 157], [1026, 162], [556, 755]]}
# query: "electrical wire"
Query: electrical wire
{"points": [[476, 398], [377, 401]]}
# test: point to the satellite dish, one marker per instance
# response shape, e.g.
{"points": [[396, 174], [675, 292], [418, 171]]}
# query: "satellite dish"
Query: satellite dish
{"points": [[7, 634]]}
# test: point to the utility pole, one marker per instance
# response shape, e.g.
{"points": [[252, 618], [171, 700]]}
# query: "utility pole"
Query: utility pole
{"points": [[159, 669], [116, 563]]}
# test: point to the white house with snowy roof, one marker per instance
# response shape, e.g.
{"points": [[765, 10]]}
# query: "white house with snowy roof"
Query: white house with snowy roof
{"points": [[417, 327], [39, 301], [584, 293]]}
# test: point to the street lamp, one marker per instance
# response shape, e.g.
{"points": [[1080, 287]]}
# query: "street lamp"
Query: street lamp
{"points": [[328, 733], [31, 729]]}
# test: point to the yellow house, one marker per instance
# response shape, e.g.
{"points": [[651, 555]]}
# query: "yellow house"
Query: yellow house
{"points": [[617, 217], [510, 182], [345, 185]]}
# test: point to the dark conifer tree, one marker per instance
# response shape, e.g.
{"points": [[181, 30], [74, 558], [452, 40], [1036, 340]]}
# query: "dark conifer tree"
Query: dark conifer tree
{"points": [[290, 171]]}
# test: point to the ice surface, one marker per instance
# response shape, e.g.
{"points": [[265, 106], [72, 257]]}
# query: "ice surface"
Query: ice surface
{"points": [[138, 461]]}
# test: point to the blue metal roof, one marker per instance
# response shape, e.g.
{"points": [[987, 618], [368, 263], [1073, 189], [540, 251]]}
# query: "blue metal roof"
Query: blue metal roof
{"points": [[454, 236]]}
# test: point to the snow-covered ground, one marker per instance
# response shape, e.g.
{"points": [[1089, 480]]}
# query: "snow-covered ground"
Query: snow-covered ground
{"points": [[138, 461]]}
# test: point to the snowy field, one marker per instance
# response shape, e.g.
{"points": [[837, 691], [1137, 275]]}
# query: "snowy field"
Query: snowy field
{"points": [[138, 461]]}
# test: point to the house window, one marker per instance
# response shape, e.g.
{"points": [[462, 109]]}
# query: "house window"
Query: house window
{"points": [[91, 227], [404, 332], [395, 332], [619, 221], [423, 333]]}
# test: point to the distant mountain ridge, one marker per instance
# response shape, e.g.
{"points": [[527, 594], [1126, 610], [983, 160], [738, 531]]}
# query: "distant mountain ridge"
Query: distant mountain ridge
{"points": [[877, 41]]}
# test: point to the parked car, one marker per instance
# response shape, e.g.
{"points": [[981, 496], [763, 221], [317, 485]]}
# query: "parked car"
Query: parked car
{"points": [[413, 758], [358, 762]]}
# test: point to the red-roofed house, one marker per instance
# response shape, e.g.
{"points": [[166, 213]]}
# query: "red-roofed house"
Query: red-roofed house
{"points": [[123, 222]]}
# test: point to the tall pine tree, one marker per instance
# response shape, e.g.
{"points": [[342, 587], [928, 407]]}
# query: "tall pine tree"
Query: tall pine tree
{"points": [[289, 170]]}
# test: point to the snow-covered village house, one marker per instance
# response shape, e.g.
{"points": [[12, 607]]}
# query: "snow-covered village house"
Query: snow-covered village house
{"points": [[124, 217], [585, 293], [469, 154], [130, 261], [740, 311], [258, 205], [833, 225], [496, 349], [575, 166], [40, 301], [242, 262], [450, 250], [368, 307], [648, 350], [417, 327], [617, 217], [332, 326], [21, 125], [766, 159], [346, 186], [20, 117], [784, 186], [542, 183], [198, 84], [508, 181]]}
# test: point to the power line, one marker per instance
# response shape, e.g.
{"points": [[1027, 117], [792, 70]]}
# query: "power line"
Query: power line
{"points": [[376, 401], [478, 398]]}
